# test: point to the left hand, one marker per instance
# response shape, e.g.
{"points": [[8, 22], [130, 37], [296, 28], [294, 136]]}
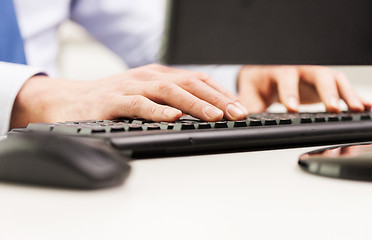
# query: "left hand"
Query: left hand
{"points": [[260, 86]]}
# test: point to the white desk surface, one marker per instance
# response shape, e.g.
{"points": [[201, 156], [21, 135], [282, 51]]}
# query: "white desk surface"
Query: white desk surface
{"points": [[250, 195]]}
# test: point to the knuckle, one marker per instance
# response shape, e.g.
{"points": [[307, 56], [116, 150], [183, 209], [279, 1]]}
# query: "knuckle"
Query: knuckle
{"points": [[189, 82], [127, 85], [219, 99], [203, 76], [341, 76], [323, 75], [288, 70], [320, 70], [109, 108], [153, 110], [136, 102], [164, 86], [194, 105], [140, 73]]}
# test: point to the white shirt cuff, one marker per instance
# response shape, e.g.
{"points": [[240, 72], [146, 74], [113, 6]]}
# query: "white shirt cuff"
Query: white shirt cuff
{"points": [[12, 78]]}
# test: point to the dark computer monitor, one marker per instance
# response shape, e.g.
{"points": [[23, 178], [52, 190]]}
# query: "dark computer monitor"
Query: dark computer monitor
{"points": [[325, 32]]}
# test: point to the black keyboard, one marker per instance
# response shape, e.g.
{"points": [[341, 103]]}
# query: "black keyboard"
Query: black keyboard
{"points": [[139, 138]]}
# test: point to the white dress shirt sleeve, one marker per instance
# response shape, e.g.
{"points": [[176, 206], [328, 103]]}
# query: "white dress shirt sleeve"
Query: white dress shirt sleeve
{"points": [[130, 28], [12, 77]]}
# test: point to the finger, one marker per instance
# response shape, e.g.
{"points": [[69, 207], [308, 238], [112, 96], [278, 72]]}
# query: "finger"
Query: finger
{"points": [[347, 93], [163, 84], [251, 98], [217, 86], [233, 110], [200, 75], [287, 79], [134, 106], [367, 104], [175, 96], [323, 79]]}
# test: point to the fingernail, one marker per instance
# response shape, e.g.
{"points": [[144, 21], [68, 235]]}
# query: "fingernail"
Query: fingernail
{"points": [[234, 111], [242, 108], [333, 102], [212, 112], [357, 104], [293, 103], [170, 112], [368, 105]]}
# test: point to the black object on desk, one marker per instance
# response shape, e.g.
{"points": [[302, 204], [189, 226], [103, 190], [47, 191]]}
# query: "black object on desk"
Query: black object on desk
{"points": [[331, 32], [143, 138], [45, 159], [348, 162]]}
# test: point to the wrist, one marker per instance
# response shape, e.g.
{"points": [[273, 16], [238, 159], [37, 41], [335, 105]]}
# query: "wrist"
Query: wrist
{"points": [[29, 105]]}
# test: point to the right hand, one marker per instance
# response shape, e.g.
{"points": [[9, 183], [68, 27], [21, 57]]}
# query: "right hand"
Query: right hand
{"points": [[151, 92], [260, 86]]}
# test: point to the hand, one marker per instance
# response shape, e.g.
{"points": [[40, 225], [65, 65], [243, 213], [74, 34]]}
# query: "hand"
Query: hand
{"points": [[152, 92], [260, 86]]}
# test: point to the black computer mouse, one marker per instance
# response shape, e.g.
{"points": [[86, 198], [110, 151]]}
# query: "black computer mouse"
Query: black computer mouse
{"points": [[60, 161], [347, 162]]}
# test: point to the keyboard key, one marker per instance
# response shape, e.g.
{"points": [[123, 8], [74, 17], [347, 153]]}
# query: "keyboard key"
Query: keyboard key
{"points": [[255, 123], [240, 123], [135, 127], [116, 128], [270, 122], [98, 129], [119, 121], [46, 127], [153, 127], [333, 118], [183, 126], [145, 121], [67, 129], [283, 121], [187, 126], [306, 120], [320, 119], [221, 124], [365, 116], [105, 124], [137, 122], [166, 125], [73, 122], [346, 118], [83, 122], [204, 125]]}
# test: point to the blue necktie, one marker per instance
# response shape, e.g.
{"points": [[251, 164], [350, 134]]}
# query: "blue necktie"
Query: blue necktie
{"points": [[11, 43]]}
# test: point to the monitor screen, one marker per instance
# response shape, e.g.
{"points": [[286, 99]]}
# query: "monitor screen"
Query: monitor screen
{"points": [[325, 32]]}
